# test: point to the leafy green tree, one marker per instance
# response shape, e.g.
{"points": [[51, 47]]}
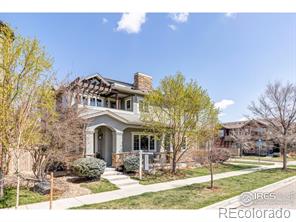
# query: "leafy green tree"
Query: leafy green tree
{"points": [[181, 110], [25, 94]]}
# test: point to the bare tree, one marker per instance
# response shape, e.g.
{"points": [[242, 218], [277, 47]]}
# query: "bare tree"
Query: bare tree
{"points": [[277, 107], [64, 134], [210, 156]]}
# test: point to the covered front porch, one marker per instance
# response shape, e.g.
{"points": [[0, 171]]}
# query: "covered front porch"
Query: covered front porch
{"points": [[104, 141]]}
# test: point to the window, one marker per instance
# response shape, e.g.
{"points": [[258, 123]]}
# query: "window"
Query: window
{"points": [[84, 100], [143, 142], [128, 104], [152, 143], [99, 102], [136, 142], [113, 104], [93, 101]]}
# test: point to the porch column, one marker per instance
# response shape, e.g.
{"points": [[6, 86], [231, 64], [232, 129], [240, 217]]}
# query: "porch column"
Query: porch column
{"points": [[89, 142], [96, 141], [117, 141], [117, 102]]}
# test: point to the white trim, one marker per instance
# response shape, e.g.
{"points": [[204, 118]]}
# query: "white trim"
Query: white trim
{"points": [[145, 134]]}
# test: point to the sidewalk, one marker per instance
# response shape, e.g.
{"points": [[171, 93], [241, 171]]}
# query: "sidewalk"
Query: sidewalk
{"points": [[136, 190]]}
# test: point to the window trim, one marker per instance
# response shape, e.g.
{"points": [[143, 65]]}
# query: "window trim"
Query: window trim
{"points": [[144, 134], [125, 104], [95, 101], [102, 102], [109, 102]]}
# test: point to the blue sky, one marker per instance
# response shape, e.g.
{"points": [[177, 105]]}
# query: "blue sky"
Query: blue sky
{"points": [[233, 56]]}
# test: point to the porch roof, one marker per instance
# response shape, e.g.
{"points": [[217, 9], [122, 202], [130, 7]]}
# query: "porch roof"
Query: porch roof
{"points": [[130, 119]]}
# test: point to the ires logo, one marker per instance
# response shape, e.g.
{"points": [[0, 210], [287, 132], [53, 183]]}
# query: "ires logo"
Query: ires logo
{"points": [[248, 198]]}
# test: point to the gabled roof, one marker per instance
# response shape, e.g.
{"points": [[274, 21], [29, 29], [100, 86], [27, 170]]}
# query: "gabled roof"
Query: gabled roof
{"points": [[98, 85], [131, 119], [240, 124]]}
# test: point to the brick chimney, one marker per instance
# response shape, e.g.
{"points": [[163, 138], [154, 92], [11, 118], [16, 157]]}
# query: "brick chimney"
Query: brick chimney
{"points": [[142, 81]]}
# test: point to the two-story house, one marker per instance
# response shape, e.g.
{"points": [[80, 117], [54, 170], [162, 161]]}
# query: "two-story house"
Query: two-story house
{"points": [[253, 136], [112, 110]]}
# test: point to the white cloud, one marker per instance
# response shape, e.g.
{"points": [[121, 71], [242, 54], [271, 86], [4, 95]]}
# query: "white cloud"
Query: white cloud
{"points": [[179, 17], [131, 22], [223, 104], [243, 119], [230, 15], [172, 27], [104, 20]]}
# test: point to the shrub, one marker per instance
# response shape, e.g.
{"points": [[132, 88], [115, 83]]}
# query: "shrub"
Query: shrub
{"points": [[56, 166], [131, 164], [89, 167], [220, 155]]}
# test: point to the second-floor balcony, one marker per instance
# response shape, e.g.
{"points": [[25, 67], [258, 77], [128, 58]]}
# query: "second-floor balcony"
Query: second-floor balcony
{"points": [[102, 93], [125, 104]]}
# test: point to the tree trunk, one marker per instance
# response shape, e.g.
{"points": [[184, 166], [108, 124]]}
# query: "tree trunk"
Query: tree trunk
{"points": [[285, 155], [1, 185], [212, 175], [17, 186], [2, 176], [174, 164]]}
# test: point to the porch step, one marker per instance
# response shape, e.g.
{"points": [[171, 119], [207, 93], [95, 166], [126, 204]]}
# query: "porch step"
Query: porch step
{"points": [[111, 173], [119, 179], [108, 169], [115, 177]]}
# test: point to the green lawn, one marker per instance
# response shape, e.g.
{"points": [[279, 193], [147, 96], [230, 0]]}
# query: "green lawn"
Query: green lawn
{"points": [[251, 162], [26, 197], [164, 176], [197, 195], [99, 186]]}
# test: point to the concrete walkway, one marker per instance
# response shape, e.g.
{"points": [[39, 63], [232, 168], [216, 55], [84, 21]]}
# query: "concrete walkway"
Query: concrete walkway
{"points": [[136, 190]]}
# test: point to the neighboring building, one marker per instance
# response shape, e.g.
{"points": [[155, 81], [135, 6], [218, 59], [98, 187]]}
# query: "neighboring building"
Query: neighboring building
{"points": [[112, 109], [253, 133]]}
